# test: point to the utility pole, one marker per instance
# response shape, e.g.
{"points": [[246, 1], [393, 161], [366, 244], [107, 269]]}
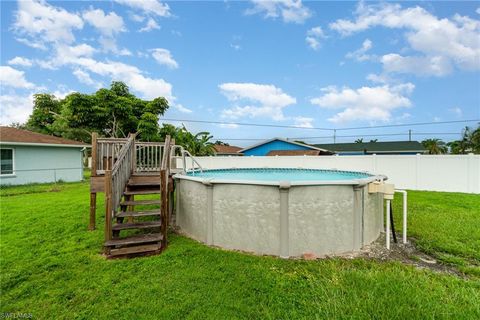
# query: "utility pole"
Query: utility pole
{"points": [[334, 136], [410, 135]]}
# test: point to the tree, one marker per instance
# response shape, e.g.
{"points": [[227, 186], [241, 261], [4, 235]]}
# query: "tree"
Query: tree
{"points": [[45, 107], [374, 140], [359, 140], [435, 146], [113, 112], [221, 143], [469, 143], [198, 145], [148, 127]]}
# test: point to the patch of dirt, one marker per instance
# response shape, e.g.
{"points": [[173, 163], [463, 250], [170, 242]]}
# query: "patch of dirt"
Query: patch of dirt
{"points": [[404, 253]]}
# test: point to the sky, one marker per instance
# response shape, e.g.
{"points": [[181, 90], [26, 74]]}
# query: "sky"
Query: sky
{"points": [[289, 63]]}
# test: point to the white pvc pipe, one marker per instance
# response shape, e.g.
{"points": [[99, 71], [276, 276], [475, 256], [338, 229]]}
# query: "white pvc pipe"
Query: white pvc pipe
{"points": [[404, 231], [387, 229]]}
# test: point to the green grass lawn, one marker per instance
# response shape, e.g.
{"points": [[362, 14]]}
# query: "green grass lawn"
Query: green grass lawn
{"points": [[51, 268]]}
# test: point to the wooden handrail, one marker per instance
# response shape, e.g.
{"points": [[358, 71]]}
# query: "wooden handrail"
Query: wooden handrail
{"points": [[123, 153], [116, 180]]}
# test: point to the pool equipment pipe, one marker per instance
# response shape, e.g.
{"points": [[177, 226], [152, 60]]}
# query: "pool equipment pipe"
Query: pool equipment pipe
{"points": [[388, 191], [393, 225], [404, 205]]}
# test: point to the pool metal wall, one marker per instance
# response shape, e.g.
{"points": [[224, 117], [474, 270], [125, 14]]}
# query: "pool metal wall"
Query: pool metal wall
{"points": [[279, 220]]}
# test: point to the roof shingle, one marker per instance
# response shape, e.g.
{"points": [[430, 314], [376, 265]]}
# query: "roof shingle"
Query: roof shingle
{"points": [[372, 147], [294, 153], [13, 135], [220, 148]]}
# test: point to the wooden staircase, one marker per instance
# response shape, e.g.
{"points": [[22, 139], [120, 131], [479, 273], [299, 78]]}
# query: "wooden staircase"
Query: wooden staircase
{"points": [[144, 216], [136, 213]]}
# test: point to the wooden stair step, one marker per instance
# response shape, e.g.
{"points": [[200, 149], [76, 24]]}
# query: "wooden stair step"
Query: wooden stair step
{"points": [[139, 202], [146, 174], [136, 225], [146, 213], [141, 192], [140, 239], [134, 183], [135, 250]]}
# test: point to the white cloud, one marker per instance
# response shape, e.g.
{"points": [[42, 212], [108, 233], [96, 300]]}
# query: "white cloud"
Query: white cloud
{"points": [[136, 17], [260, 100], [107, 24], [153, 7], [440, 41], [361, 54], [303, 122], [181, 108], [84, 77], [110, 45], [10, 77], [456, 111], [149, 88], [314, 36], [164, 57], [51, 24], [32, 43], [20, 61], [419, 65], [235, 47], [61, 92], [365, 103], [288, 10], [379, 78], [151, 25], [15, 108], [229, 125]]}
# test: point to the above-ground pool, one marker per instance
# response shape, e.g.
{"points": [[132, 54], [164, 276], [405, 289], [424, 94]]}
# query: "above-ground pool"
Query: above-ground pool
{"points": [[278, 211]]}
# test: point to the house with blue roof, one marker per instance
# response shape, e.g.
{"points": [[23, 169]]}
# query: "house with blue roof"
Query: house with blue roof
{"points": [[279, 146]]}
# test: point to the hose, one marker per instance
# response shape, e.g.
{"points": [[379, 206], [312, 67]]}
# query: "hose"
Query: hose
{"points": [[393, 226]]}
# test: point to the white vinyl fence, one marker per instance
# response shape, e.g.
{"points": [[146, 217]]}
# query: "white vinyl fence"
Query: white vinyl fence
{"points": [[452, 173]]}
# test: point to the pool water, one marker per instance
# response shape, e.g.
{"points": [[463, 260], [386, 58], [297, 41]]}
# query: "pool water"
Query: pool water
{"points": [[279, 174]]}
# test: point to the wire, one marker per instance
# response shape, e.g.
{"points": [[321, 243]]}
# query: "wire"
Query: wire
{"points": [[347, 136], [248, 124], [318, 128], [410, 124]]}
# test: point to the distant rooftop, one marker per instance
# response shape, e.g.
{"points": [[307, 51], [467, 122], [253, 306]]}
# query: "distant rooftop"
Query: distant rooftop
{"points": [[222, 149], [9, 135], [294, 153], [375, 147]]}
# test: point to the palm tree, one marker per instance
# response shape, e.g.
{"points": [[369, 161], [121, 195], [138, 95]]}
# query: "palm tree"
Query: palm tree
{"points": [[359, 140], [198, 145], [470, 142], [435, 146], [475, 138]]}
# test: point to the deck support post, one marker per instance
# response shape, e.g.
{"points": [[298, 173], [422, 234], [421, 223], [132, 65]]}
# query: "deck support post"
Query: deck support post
{"points": [[93, 173], [108, 205], [164, 206], [93, 208]]}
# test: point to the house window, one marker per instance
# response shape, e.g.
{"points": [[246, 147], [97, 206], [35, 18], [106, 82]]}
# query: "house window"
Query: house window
{"points": [[6, 160]]}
